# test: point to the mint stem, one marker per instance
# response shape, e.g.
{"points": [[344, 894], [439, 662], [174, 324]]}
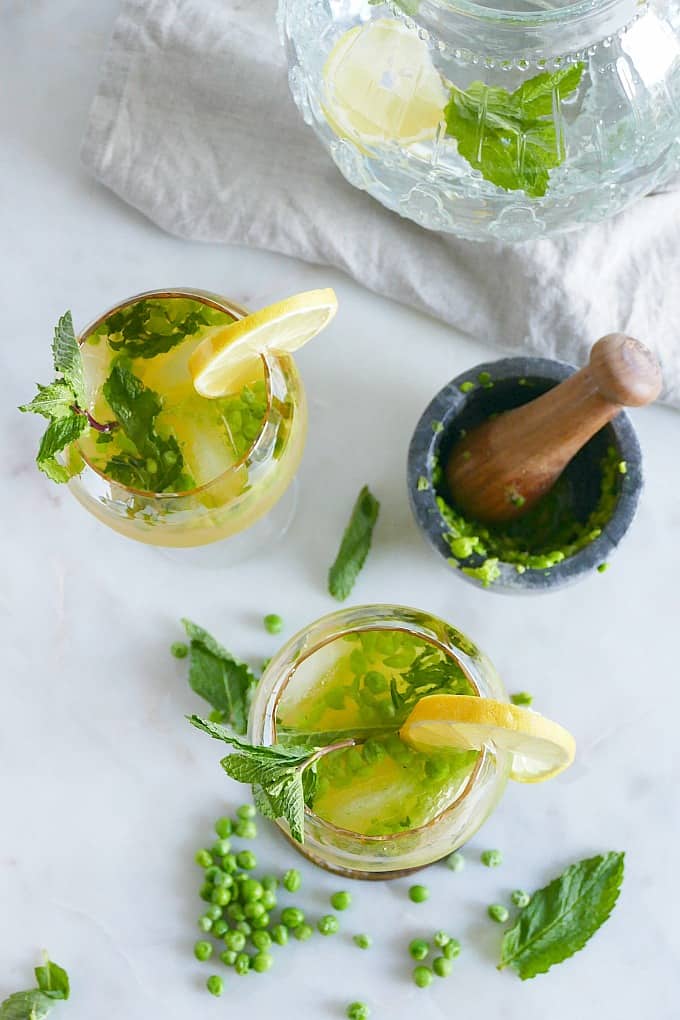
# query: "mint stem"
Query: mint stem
{"points": [[98, 426]]}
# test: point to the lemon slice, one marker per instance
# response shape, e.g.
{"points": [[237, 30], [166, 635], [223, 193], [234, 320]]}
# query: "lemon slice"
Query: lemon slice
{"points": [[381, 85], [223, 357], [540, 748]]}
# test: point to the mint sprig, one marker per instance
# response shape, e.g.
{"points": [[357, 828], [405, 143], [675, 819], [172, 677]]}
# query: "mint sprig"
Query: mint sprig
{"points": [[512, 137], [217, 676], [36, 1003], [563, 916], [355, 545], [149, 327]]}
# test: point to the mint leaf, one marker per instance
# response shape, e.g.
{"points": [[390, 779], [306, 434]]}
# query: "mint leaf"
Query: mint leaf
{"points": [[276, 774], [60, 433], [214, 674], [67, 357], [33, 1005], [53, 401], [150, 327], [511, 137], [355, 545], [158, 465], [563, 916], [53, 980]]}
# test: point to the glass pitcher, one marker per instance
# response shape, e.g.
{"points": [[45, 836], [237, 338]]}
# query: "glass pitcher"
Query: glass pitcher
{"points": [[492, 119]]}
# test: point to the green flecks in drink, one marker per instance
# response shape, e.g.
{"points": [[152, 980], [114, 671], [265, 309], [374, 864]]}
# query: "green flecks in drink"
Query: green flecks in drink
{"points": [[467, 387], [423, 484]]}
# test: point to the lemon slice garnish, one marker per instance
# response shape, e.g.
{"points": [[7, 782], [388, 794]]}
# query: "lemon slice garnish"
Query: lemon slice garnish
{"points": [[223, 357], [540, 748], [380, 85]]}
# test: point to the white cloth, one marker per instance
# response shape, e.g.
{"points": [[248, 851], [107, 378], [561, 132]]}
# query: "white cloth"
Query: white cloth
{"points": [[193, 125]]}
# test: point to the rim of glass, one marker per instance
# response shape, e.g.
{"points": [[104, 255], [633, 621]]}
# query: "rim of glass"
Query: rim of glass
{"points": [[223, 305], [572, 10], [406, 627]]}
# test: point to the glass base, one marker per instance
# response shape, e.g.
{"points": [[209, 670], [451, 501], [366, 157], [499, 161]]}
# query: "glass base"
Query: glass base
{"points": [[243, 546]]}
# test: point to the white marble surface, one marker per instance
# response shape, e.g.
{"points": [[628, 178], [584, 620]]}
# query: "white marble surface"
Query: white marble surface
{"points": [[106, 791]]}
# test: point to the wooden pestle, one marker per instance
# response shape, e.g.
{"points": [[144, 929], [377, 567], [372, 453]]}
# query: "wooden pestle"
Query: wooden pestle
{"points": [[502, 467]]}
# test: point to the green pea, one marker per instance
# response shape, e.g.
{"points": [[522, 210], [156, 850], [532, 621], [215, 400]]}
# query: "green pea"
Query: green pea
{"points": [[205, 892], [235, 912], [223, 827], [451, 950], [357, 1011], [328, 924], [261, 940], [203, 950], [292, 880], [279, 934], [268, 900], [203, 858], [242, 963], [419, 893], [498, 913], [441, 966], [419, 949], [215, 984], [211, 872], [235, 940], [246, 811], [245, 829], [179, 649], [441, 939], [262, 962], [244, 927], [253, 909], [522, 698], [228, 957], [520, 898], [455, 861], [247, 860], [251, 890], [222, 847], [269, 883], [273, 623], [222, 878], [220, 928], [261, 922], [341, 900], [229, 863], [205, 923], [292, 917], [422, 976], [362, 941], [491, 858], [303, 932], [221, 895]]}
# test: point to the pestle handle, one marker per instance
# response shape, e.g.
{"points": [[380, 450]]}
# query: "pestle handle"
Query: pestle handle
{"points": [[504, 466]]}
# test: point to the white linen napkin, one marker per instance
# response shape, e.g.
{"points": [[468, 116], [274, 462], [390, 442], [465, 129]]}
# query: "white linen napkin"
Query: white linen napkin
{"points": [[193, 125]]}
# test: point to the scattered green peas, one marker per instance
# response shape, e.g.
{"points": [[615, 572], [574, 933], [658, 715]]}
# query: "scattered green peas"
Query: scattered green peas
{"points": [[215, 984], [419, 893], [244, 927], [442, 966], [260, 922], [203, 858], [328, 924], [273, 623], [521, 698], [235, 912], [269, 883], [223, 827], [491, 858], [520, 898], [362, 941], [292, 917], [253, 909], [498, 913], [235, 940], [228, 957], [245, 829], [261, 940], [205, 892], [262, 962], [247, 860], [303, 932], [357, 1011], [441, 939], [203, 950], [221, 895], [422, 976], [419, 949], [220, 928], [246, 811], [341, 900], [222, 878], [279, 934], [242, 963], [229, 863], [268, 900], [222, 847], [179, 649], [455, 861], [205, 923], [251, 890], [292, 880], [451, 950]]}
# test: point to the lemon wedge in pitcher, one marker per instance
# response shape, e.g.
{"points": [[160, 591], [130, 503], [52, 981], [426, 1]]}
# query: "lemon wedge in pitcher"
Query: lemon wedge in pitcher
{"points": [[540, 748], [220, 359]]}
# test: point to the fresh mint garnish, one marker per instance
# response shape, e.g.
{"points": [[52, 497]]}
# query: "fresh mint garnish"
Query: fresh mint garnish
{"points": [[63, 404], [150, 327], [36, 1003], [277, 775], [563, 916], [215, 675], [511, 137], [355, 545], [157, 465]]}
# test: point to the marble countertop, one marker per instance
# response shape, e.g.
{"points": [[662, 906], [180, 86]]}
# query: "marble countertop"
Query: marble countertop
{"points": [[106, 792]]}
